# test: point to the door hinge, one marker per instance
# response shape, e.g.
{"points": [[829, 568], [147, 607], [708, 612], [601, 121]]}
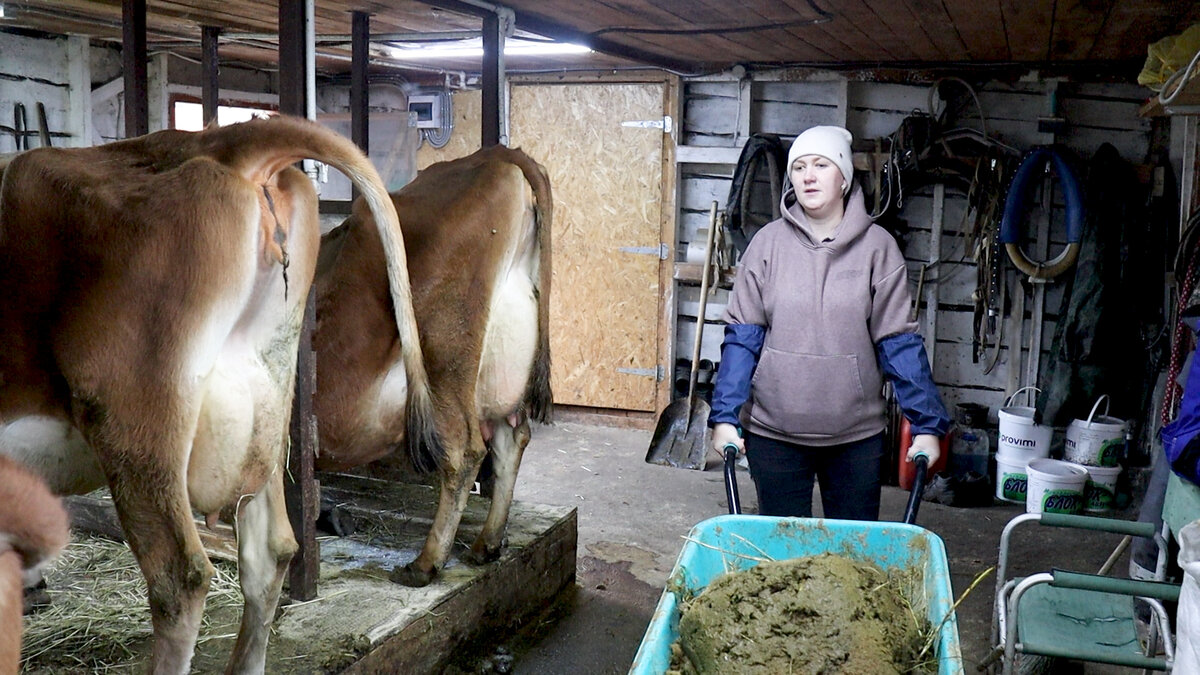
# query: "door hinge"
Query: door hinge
{"points": [[664, 124], [658, 372], [661, 250]]}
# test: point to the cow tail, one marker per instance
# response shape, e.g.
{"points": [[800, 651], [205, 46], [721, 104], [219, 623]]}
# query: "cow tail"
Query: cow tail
{"points": [[538, 396], [422, 442], [261, 147]]}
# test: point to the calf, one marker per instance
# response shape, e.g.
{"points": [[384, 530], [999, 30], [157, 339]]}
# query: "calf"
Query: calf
{"points": [[33, 529], [477, 232], [151, 298]]}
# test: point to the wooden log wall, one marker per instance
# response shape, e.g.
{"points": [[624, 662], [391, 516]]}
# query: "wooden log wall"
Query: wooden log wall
{"points": [[54, 72], [1095, 113]]}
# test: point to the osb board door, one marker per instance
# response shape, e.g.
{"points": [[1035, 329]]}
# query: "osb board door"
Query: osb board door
{"points": [[607, 184]]}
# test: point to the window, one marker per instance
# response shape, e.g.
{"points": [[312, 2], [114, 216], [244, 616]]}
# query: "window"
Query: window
{"points": [[189, 115]]}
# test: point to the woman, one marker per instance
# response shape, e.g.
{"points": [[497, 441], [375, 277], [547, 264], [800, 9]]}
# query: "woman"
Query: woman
{"points": [[818, 315]]}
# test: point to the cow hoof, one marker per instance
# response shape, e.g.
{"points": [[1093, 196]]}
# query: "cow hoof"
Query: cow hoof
{"points": [[473, 557], [36, 598], [409, 575]]}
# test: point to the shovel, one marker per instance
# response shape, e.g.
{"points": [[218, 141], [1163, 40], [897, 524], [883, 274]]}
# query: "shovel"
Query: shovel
{"points": [[681, 436]]}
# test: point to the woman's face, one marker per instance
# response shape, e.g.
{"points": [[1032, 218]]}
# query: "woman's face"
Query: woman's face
{"points": [[818, 184]]}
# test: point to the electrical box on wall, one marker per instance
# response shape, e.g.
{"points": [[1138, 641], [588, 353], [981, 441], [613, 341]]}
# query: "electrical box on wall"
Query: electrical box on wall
{"points": [[427, 109]]}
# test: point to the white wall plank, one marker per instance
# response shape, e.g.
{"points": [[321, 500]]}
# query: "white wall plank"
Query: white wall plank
{"points": [[827, 94], [901, 98], [29, 59], [699, 193], [710, 347], [711, 116], [789, 119], [689, 303]]}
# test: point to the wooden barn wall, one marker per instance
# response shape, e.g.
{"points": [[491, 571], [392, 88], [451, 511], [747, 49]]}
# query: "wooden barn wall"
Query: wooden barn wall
{"points": [[712, 118], [55, 72]]}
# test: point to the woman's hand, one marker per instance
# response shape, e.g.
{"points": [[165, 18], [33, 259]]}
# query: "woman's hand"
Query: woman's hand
{"points": [[724, 433], [926, 443]]}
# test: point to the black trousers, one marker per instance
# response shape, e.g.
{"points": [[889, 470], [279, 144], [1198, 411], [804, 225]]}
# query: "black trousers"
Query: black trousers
{"points": [[784, 473]]}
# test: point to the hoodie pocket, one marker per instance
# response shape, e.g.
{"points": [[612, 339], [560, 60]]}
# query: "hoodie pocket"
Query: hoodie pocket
{"points": [[806, 393]]}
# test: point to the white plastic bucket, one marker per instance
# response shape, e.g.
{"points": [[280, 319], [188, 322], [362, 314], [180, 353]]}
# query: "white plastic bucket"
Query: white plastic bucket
{"points": [[1101, 488], [1021, 440], [1011, 480], [1055, 486], [1096, 441]]}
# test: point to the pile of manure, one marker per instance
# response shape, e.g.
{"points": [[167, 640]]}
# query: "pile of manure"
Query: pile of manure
{"points": [[815, 614]]}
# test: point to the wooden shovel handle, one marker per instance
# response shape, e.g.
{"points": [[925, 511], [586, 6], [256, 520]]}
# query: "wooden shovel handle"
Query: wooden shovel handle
{"points": [[696, 342]]}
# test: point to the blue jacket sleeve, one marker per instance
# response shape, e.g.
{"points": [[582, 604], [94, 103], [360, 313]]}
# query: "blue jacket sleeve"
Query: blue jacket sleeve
{"points": [[902, 359], [739, 357]]}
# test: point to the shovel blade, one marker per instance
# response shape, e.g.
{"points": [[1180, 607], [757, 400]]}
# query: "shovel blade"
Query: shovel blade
{"points": [[682, 436]]}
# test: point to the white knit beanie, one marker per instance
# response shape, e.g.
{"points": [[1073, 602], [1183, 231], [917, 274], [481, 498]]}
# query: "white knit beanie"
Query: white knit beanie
{"points": [[833, 143]]}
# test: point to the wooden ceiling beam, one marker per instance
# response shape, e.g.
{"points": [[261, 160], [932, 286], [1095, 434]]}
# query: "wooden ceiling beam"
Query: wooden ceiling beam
{"points": [[535, 23], [210, 87]]}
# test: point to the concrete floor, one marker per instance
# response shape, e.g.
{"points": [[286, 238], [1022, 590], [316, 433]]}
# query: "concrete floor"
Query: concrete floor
{"points": [[633, 515]]}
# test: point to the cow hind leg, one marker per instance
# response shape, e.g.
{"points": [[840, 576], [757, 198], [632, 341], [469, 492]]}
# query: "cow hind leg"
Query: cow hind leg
{"points": [[265, 548], [162, 535], [506, 447], [457, 479]]}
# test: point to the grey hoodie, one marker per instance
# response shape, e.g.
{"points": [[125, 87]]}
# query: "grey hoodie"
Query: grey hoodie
{"points": [[824, 305]]}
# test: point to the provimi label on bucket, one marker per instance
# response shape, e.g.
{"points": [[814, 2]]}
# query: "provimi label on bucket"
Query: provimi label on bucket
{"points": [[1006, 439], [1061, 501]]}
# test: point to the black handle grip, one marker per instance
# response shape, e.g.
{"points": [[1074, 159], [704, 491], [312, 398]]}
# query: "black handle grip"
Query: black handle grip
{"points": [[920, 469], [730, 452]]}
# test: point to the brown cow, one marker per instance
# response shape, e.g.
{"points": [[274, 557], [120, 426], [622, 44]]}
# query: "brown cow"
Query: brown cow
{"points": [[477, 231], [33, 529], [151, 297]]}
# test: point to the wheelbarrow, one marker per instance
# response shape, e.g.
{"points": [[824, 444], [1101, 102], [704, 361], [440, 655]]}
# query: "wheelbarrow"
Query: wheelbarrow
{"points": [[736, 542]]}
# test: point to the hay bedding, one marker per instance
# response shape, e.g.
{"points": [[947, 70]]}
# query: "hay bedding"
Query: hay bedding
{"points": [[98, 620], [816, 614]]}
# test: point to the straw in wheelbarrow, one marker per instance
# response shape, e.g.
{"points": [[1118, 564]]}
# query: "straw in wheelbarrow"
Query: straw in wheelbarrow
{"points": [[681, 436]]}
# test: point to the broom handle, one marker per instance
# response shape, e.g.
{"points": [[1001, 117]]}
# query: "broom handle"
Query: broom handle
{"points": [[708, 247]]}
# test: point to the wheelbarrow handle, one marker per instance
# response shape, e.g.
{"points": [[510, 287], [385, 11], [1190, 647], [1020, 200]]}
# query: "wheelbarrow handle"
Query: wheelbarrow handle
{"points": [[730, 452], [920, 469]]}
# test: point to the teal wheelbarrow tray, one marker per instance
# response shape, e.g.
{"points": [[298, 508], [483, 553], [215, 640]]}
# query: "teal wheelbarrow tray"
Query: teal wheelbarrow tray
{"points": [[734, 542]]}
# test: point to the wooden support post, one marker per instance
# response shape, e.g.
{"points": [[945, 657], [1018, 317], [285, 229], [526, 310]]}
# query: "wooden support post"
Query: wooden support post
{"points": [[359, 86], [302, 491], [843, 102], [79, 109], [158, 98], [293, 66], [933, 271], [492, 105], [133, 62], [210, 87]]}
